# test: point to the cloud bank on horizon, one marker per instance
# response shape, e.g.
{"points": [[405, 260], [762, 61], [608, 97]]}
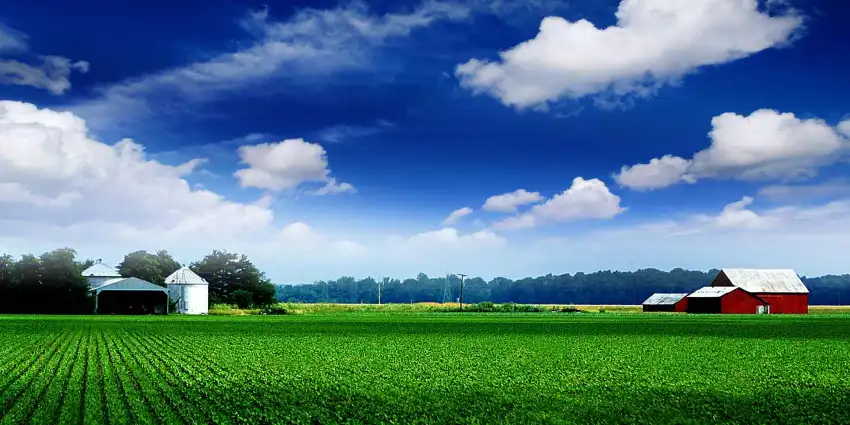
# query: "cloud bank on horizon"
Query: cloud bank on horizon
{"points": [[765, 190]]}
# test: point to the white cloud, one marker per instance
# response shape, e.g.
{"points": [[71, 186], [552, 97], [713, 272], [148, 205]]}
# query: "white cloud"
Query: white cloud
{"points": [[737, 216], [766, 145], [797, 192], [844, 128], [52, 74], [509, 202], [287, 165], [585, 199], [12, 40], [655, 42], [54, 173], [456, 215], [311, 43], [658, 173]]}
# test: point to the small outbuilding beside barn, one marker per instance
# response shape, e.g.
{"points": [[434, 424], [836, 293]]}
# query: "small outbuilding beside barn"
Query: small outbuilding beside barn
{"points": [[130, 295], [666, 302], [726, 300], [781, 289]]}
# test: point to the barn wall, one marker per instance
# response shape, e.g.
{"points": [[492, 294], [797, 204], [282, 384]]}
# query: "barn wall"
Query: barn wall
{"points": [[787, 303], [740, 302], [651, 308], [682, 306], [704, 305]]}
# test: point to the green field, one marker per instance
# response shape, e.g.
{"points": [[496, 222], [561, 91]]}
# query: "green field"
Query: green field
{"points": [[427, 368]]}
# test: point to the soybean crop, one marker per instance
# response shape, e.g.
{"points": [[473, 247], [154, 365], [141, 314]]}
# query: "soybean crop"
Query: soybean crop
{"points": [[423, 369]]}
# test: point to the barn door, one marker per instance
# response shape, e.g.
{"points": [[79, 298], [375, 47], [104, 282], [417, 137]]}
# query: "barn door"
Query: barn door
{"points": [[762, 309]]}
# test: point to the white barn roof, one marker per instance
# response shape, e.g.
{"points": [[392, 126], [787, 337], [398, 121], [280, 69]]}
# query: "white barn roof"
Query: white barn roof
{"points": [[185, 276], [762, 281], [664, 299], [712, 291], [101, 270], [130, 284]]}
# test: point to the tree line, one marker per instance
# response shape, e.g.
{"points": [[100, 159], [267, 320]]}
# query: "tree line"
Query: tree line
{"points": [[602, 287], [53, 283]]}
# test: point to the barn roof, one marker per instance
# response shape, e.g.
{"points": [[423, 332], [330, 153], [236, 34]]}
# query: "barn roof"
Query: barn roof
{"points": [[129, 284], [185, 276], [100, 270], [712, 291], [664, 299], [760, 281]]}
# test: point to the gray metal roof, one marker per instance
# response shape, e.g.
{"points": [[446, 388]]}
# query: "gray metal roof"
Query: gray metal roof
{"points": [[185, 276], [664, 299], [101, 270], [760, 281], [712, 291], [129, 284]]}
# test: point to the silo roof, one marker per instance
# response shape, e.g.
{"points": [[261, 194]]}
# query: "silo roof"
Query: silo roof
{"points": [[101, 270], [185, 276]]}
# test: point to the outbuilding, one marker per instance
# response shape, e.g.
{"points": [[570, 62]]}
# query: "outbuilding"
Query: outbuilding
{"points": [[666, 302], [782, 289], [725, 300], [189, 291], [130, 295]]}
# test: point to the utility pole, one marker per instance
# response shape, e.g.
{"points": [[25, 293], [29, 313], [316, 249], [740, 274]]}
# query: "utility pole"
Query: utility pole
{"points": [[461, 289]]}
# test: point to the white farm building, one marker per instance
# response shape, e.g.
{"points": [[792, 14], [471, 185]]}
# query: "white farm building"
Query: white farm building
{"points": [[189, 291], [98, 274]]}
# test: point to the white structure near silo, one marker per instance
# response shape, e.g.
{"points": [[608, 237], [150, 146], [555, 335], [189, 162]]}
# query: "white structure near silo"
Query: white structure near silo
{"points": [[99, 274], [189, 291]]}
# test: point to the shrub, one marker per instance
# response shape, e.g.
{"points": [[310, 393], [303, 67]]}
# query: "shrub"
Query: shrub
{"points": [[276, 309]]}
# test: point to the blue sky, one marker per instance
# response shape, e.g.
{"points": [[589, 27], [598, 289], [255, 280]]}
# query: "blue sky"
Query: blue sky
{"points": [[337, 138]]}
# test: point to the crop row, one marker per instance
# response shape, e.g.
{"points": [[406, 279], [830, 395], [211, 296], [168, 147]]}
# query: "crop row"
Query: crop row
{"points": [[423, 370]]}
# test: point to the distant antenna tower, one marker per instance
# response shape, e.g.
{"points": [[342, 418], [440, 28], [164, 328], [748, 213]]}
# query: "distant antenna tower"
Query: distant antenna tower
{"points": [[447, 290]]}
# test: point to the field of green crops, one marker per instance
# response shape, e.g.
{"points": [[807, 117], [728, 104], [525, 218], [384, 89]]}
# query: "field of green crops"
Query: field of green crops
{"points": [[431, 368]]}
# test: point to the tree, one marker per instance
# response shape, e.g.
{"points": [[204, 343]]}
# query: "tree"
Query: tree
{"points": [[153, 268], [228, 273]]}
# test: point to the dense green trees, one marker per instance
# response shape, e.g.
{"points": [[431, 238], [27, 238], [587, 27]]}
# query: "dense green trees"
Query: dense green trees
{"points": [[153, 268], [53, 282], [234, 279], [603, 287]]}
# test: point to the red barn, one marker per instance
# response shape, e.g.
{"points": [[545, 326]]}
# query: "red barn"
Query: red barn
{"points": [[666, 302], [726, 300], [782, 289]]}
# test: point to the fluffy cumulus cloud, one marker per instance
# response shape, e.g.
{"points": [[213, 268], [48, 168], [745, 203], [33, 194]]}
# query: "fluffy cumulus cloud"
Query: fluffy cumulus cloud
{"points": [[585, 199], [654, 42], [456, 215], [51, 73], [286, 165], [766, 145], [509, 202], [659, 172]]}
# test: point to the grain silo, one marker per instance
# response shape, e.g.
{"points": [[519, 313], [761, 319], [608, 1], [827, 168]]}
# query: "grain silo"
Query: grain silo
{"points": [[100, 274], [189, 291]]}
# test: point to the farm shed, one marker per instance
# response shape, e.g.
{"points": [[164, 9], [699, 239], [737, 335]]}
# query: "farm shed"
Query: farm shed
{"points": [[98, 274], [666, 302], [726, 300], [189, 291], [782, 289], [130, 296]]}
